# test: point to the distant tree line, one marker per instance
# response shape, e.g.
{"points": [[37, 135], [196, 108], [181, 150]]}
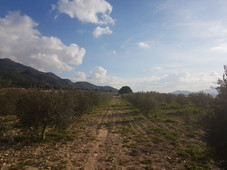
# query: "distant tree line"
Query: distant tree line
{"points": [[149, 101]]}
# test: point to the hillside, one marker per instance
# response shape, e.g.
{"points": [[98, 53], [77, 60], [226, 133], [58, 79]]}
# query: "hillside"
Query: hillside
{"points": [[89, 86], [23, 76]]}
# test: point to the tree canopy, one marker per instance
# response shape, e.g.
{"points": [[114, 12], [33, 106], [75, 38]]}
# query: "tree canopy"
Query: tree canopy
{"points": [[125, 90]]}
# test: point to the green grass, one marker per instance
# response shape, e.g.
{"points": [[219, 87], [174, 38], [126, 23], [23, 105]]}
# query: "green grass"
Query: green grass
{"points": [[197, 158], [125, 131], [164, 132]]}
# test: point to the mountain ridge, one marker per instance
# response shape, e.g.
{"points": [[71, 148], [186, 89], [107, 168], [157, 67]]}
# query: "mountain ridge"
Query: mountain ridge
{"points": [[212, 92], [24, 76]]}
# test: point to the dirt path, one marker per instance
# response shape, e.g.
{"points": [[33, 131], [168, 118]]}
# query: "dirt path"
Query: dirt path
{"points": [[92, 161], [107, 147], [115, 136]]}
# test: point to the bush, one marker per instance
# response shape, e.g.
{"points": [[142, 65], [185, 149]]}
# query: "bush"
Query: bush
{"points": [[146, 102], [217, 121], [8, 100], [181, 99], [201, 100], [84, 101], [39, 110]]}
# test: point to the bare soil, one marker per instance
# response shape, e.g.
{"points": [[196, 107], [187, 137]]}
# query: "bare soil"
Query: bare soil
{"points": [[115, 136]]}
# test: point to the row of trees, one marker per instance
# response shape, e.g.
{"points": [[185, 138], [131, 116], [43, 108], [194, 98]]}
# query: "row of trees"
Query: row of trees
{"points": [[216, 108], [148, 102], [38, 110]]}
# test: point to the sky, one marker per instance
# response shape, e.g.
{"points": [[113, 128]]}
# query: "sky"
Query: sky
{"points": [[149, 45]]}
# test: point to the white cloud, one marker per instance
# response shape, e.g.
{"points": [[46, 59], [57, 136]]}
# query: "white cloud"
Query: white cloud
{"points": [[99, 75], [100, 31], [80, 76], [143, 45], [114, 52], [20, 41], [87, 10]]}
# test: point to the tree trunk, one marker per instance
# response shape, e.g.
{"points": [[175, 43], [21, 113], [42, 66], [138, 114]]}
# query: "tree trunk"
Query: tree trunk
{"points": [[44, 131]]}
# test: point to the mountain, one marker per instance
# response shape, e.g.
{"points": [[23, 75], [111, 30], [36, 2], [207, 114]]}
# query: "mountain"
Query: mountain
{"points": [[212, 92], [23, 76], [181, 92], [89, 86]]}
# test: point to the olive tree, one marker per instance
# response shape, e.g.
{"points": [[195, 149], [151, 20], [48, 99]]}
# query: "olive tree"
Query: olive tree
{"points": [[39, 109]]}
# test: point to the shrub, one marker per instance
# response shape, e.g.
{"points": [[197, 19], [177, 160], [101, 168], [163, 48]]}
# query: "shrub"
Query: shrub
{"points": [[8, 100], [201, 100], [146, 102], [181, 99], [39, 110], [217, 121]]}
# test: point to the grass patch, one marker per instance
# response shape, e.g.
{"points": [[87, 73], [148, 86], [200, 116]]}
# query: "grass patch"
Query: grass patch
{"points": [[165, 133], [125, 131], [196, 156]]}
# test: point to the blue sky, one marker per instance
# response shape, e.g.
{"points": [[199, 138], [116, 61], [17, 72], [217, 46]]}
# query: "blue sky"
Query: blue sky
{"points": [[150, 45]]}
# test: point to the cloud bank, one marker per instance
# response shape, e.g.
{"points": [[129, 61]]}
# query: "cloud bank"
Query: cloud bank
{"points": [[166, 82], [22, 42]]}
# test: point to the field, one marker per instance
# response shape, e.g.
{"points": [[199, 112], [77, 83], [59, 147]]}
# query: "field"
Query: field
{"points": [[115, 135]]}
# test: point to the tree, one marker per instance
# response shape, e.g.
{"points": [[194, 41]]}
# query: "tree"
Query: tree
{"points": [[125, 90], [217, 122], [40, 110]]}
